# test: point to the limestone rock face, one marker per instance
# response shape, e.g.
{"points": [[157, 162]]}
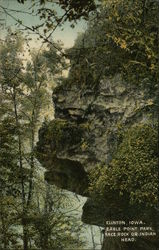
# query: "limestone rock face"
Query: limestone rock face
{"points": [[83, 132]]}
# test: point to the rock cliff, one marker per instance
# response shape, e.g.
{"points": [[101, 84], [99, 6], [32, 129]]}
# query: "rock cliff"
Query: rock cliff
{"points": [[83, 132]]}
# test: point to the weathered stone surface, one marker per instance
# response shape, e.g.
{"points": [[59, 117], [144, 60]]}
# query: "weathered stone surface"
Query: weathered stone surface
{"points": [[83, 132]]}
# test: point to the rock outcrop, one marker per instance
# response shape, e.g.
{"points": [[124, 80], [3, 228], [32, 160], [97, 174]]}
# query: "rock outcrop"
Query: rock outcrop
{"points": [[83, 132]]}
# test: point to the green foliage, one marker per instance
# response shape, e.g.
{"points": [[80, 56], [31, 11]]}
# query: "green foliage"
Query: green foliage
{"points": [[132, 26], [121, 38], [8, 158], [58, 133], [51, 226], [133, 170], [24, 92], [74, 10], [54, 61], [54, 14], [10, 184]]}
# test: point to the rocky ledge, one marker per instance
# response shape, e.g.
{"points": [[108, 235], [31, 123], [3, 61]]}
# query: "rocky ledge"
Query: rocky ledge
{"points": [[83, 132]]}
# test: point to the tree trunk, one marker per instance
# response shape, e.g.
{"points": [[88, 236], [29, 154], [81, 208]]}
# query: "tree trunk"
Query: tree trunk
{"points": [[25, 238], [25, 233]]}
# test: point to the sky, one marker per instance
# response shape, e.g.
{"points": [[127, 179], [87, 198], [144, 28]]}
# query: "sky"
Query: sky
{"points": [[67, 35]]}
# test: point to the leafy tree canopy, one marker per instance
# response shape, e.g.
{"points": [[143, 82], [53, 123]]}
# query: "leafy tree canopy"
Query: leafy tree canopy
{"points": [[121, 38], [133, 170], [74, 9]]}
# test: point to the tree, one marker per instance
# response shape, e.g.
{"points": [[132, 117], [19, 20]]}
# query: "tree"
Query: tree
{"points": [[74, 10], [25, 92], [56, 227], [127, 188], [121, 38], [135, 159], [52, 14], [9, 188]]}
